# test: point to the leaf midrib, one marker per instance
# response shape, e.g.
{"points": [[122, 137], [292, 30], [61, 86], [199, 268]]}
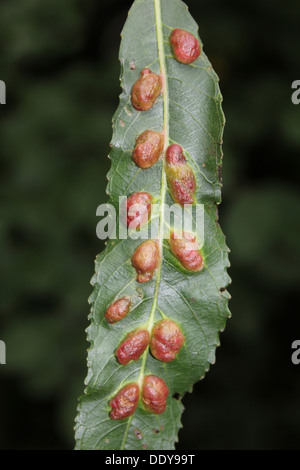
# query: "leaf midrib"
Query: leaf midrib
{"points": [[162, 63]]}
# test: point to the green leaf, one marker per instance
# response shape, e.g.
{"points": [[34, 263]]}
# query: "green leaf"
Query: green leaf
{"points": [[190, 113]]}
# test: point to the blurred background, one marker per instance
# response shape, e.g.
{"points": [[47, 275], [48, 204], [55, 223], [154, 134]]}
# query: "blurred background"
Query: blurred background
{"points": [[59, 60]]}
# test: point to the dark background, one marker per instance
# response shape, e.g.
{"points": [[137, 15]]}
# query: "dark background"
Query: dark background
{"points": [[59, 62]]}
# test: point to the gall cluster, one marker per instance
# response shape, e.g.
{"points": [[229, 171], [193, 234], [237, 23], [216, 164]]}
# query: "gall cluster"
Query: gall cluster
{"points": [[165, 339]]}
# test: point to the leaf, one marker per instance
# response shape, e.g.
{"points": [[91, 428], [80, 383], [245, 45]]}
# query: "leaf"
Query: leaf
{"points": [[190, 112]]}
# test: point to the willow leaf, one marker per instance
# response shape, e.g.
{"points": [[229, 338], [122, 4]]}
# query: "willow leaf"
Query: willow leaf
{"points": [[189, 111]]}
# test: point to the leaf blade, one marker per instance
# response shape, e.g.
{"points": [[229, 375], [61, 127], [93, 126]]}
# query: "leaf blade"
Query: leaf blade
{"points": [[173, 292]]}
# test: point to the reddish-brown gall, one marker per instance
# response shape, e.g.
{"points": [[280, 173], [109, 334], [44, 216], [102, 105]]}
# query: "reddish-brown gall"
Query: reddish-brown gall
{"points": [[154, 394], [166, 340], [133, 346], [174, 155], [125, 402], [145, 260], [138, 209], [186, 249], [146, 90], [148, 148], [186, 48], [118, 310], [181, 177]]}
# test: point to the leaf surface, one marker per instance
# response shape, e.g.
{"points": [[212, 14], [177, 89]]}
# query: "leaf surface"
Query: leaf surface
{"points": [[190, 113]]}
